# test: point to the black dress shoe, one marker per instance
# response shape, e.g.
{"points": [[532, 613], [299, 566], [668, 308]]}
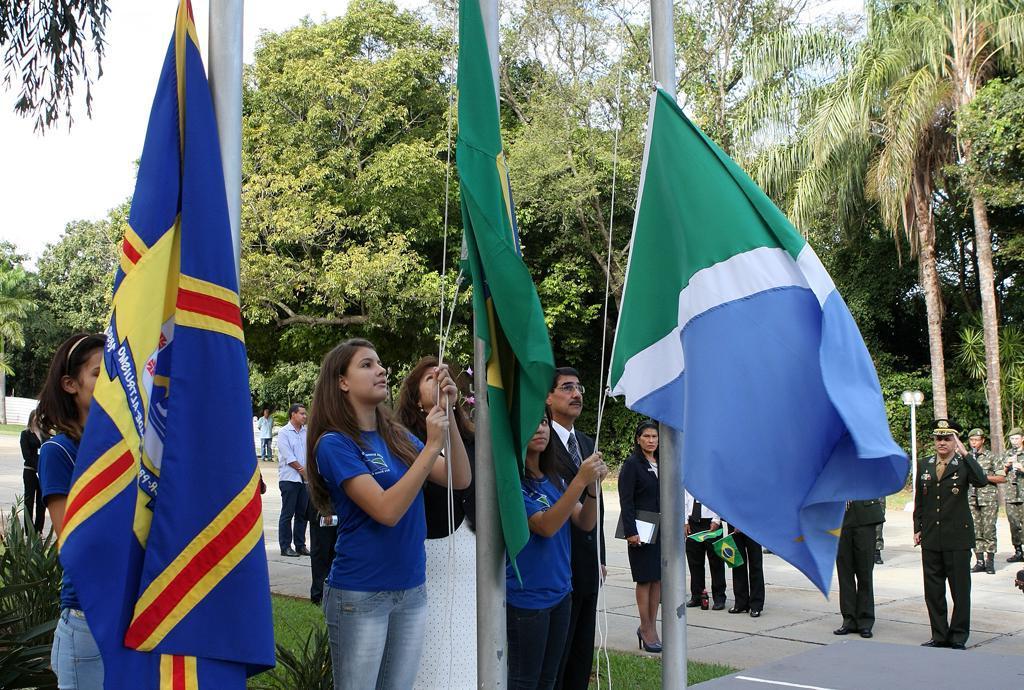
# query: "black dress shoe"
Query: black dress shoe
{"points": [[957, 645], [692, 603], [718, 606], [290, 552], [755, 613], [934, 643], [866, 634], [302, 551], [878, 558], [737, 609], [842, 631]]}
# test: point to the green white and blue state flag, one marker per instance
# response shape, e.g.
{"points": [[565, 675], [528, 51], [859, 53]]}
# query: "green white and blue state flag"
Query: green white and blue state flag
{"points": [[507, 310], [732, 332], [163, 529]]}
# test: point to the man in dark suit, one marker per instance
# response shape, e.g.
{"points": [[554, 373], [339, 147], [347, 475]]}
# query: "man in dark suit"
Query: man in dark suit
{"points": [[944, 530], [855, 565], [565, 400]]}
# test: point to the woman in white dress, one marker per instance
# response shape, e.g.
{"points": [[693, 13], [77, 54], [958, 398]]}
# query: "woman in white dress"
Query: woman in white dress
{"points": [[449, 652]]}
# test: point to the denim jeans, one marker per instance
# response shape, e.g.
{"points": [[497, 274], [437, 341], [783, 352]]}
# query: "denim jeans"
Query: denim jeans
{"points": [[266, 452], [75, 658], [536, 638], [293, 508], [376, 637]]}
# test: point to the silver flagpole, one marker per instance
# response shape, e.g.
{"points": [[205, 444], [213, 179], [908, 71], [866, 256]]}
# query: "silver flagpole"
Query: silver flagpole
{"points": [[225, 50], [491, 634], [670, 469]]}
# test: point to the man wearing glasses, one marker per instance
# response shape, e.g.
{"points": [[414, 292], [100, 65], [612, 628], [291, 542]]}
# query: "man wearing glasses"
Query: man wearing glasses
{"points": [[944, 530], [566, 403]]}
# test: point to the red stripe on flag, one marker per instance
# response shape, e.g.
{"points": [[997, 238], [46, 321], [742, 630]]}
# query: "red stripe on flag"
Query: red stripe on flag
{"points": [[129, 251], [178, 672], [98, 484], [204, 561], [209, 306]]}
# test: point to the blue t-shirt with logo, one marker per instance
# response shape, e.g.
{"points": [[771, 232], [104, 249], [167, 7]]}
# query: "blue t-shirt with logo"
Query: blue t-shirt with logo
{"points": [[369, 556], [544, 562], [56, 465]]}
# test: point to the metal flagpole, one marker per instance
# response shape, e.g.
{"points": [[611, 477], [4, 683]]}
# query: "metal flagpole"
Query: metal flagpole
{"points": [[491, 634], [225, 50], [670, 469]]}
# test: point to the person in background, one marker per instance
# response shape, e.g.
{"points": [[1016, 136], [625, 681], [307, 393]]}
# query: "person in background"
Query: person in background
{"points": [[639, 490], [31, 439], [63, 408], [449, 658], [565, 403], [1013, 465], [539, 601], [369, 470], [855, 566], [984, 503], [879, 537], [291, 479], [265, 424], [700, 518], [748, 579]]}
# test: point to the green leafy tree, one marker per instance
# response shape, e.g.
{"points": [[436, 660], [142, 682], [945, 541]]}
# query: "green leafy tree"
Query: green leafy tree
{"points": [[16, 304], [994, 123]]}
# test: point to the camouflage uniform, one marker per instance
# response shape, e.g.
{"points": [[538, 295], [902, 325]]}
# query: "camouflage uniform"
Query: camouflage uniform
{"points": [[1013, 464], [984, 503]]}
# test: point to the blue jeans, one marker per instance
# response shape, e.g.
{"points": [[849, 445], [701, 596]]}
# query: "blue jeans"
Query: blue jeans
{"points": [[376, 637], [536, 638], [266, 452], [75, 658], [293, 505]]}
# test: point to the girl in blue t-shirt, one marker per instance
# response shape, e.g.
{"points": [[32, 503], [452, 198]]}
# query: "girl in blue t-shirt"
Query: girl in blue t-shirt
{"points": [[63, 408], [539, 601], [369, 470]]}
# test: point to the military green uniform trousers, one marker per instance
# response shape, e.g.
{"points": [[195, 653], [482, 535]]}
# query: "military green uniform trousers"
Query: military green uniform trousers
{"points": [[1015, 516], [855, 566], [940, 567]]}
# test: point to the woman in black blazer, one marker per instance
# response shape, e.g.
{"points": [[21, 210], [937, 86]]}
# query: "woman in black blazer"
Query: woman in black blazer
{"points": [[638, 490]]}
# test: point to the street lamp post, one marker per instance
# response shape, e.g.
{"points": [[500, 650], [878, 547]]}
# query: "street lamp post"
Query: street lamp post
{"points": [[913, 399]]}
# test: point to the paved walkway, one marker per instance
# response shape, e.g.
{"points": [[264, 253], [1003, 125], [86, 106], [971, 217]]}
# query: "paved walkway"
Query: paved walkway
{"points": [[796, 616]]}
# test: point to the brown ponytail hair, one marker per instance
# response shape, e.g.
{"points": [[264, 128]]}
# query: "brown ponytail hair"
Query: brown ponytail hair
{"points": [[57, 410], [331, 410]]}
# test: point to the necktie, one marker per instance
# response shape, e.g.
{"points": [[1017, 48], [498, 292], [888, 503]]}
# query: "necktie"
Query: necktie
{"points": [[940, 469], [695, 513], [574, 451]]}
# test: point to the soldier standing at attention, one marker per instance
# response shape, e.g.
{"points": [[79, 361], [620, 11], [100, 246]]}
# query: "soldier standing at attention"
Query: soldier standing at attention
{"points": [[945, 532], [984, 503], [1013, 464], [855, 565]]}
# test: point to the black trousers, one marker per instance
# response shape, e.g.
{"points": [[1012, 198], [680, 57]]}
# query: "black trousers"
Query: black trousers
{"points": [[578, 656], [748, 579], [855, 566], [954, 567], [35, 511], [536, 638], [696, 554], [321, 553], [293, 509]]}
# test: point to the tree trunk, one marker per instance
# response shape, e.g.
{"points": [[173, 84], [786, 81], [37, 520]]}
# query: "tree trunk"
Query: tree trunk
{"points": [[989, 321], [932, 290], [3, 389]]}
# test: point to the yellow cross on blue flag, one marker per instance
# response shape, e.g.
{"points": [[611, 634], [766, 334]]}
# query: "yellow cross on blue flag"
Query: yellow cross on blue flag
{"points": [[163, 531]]}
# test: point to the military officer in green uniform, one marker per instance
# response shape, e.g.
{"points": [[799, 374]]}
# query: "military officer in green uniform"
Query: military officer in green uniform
{"points": [[855, 565], [945, 532], [1013, 464], [984, 503]]}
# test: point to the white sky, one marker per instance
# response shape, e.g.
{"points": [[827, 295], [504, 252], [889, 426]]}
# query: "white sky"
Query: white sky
{"points": [[48, 181]]}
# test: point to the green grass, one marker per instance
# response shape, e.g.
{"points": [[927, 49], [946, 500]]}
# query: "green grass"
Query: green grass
{"points": [[644, 672], [294, 618], [11, 429]]}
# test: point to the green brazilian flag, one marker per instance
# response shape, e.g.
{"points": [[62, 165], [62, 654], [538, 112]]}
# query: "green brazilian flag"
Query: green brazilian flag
{"points": [[727, 551], [706, 535], [509, 318]]}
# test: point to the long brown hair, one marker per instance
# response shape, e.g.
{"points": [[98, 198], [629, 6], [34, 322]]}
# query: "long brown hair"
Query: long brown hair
{"points": [[57, 410], [548, 460], [331, 410], [412, 415]]}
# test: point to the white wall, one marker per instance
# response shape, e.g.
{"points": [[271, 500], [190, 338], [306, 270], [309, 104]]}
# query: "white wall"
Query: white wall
{"points": [[18, 410]]}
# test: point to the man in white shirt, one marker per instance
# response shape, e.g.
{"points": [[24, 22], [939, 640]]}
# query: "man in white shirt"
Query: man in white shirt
{"points": [[700, 518], [265, 424], [291, 463]]}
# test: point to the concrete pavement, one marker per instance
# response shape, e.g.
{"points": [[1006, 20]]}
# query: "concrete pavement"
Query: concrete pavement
{"points": [[796, 617]]}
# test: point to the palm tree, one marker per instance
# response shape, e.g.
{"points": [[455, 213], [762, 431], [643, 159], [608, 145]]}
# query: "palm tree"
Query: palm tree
{"points": [[15, 306]]}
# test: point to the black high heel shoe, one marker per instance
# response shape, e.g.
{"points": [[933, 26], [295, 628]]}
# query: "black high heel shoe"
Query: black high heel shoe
{"points": [[652, 648]]}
